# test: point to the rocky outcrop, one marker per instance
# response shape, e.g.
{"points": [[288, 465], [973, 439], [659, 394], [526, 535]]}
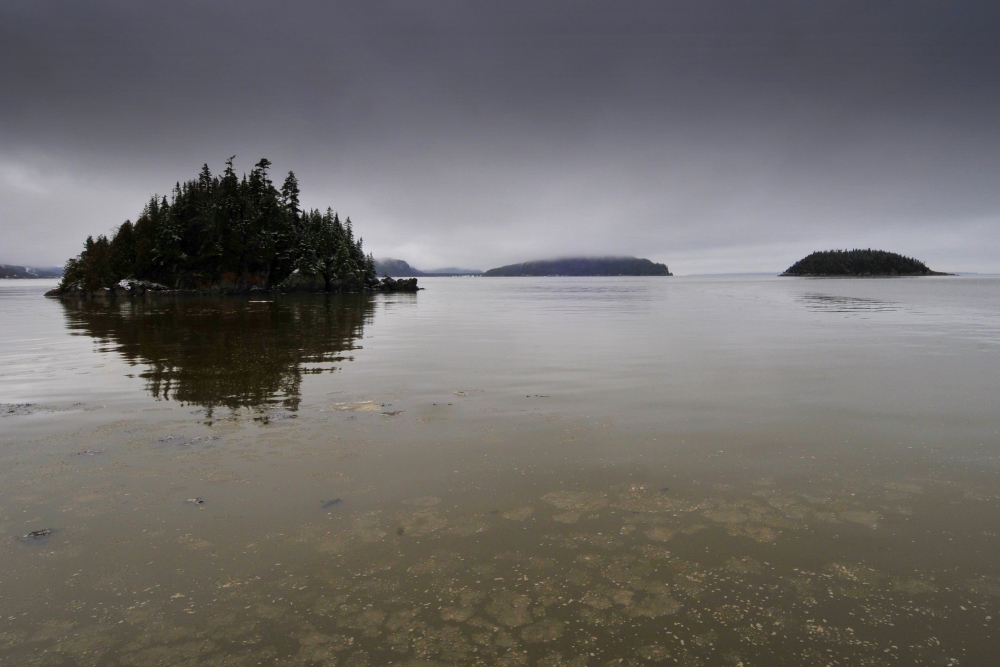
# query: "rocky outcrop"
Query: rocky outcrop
{"points": [[294, 284], [126, 287], [398, 285]]}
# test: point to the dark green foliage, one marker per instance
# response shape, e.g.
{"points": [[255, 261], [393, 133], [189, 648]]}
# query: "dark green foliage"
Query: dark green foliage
{"points": [[584, 266], [858, 263], [230, 233], [92, 269]]}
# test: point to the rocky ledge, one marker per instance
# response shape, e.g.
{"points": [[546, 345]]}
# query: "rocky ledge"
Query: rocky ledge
{"points": [[132, 288]]}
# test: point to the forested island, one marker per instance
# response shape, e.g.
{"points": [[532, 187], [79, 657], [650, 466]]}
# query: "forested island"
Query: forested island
{"points": [[859, 263], [583, 266], [230, 235]]}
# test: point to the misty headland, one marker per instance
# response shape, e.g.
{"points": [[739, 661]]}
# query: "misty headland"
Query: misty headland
{"points": [[398, 268], [566, 266], [583, 266], [15, 272]]}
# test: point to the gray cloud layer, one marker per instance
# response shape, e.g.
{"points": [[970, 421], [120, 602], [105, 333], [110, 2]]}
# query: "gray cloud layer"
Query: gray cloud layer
{"points": [[714, 136]]}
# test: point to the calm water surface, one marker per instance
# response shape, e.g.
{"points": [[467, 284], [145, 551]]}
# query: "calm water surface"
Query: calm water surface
{"points": [[693, 471]]}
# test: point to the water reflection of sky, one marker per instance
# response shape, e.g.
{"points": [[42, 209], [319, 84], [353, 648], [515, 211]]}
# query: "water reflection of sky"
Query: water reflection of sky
{"points": [[833, 303]]}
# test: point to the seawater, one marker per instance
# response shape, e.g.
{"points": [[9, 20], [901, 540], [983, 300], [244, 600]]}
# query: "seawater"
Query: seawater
{"points": [[560, 471]]}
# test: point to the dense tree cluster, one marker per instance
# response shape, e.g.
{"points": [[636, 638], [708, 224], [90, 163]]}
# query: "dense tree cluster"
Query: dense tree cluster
{"points": [[229, 232], [858, 263]]}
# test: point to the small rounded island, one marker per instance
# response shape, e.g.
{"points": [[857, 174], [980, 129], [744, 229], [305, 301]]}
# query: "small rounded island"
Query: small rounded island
{"points": [[859, 264]]}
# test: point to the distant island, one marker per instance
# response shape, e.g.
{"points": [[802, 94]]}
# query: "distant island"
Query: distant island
{"points": [[227, 235], [25, 272], [398, 268], [859, 263], [584, 266]]}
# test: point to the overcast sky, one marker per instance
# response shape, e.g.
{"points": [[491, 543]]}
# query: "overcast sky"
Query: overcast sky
{"points": [[712, 136]]}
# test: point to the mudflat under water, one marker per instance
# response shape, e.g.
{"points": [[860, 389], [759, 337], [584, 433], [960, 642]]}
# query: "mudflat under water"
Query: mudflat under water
{"points": [[693, 471]]}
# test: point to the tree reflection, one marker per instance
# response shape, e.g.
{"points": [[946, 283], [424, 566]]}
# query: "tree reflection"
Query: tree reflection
{"points": [[226, 351]]}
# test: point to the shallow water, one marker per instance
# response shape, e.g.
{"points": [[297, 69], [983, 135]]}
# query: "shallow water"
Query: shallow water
{"points": [[693, 471]]}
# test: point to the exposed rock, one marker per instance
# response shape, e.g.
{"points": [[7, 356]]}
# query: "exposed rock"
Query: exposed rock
{"points": [[401, 285], [296, 283], [126, 287], [37, 534], [131, 287]]}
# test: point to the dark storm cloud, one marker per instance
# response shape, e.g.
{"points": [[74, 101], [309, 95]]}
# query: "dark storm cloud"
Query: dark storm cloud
{"points": [[713, 136]]}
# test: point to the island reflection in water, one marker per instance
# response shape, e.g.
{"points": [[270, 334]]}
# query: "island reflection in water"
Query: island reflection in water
{"points": [[226, 352]]}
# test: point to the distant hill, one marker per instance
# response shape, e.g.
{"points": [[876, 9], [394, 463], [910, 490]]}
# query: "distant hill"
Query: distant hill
{"points": [[454, 271], [859, 263], [583, 266], [398, 268], [8, 271]]}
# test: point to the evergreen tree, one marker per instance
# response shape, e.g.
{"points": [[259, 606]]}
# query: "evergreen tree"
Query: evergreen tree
{"points": [[123, 251], [223, 230], [290, 193]]}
